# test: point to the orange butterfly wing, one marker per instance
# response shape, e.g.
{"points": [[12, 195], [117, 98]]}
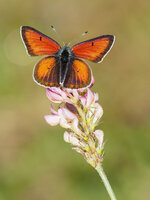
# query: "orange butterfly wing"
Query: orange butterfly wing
{"points": [[94, 49], [78, 75], [37, 43], [46, 72]]}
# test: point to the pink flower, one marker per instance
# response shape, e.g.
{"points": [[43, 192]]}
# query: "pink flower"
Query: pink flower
{"points": [[65, 118], [71, 138], [53, 119], [99, 135], [88, 98], [54, 94], [71, 107], [98, 113], [79, 113], [57, 95], [73, 92]]}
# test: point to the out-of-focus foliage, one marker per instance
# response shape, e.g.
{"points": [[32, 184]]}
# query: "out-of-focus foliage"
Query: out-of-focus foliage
{"points": [[35, 162]]}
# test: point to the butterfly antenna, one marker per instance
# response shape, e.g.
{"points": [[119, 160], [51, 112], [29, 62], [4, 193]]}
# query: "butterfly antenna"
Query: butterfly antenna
{"points": [[57, 34], [78, 37]]}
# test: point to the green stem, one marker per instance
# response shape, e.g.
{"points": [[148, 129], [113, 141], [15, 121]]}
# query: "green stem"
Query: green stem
{"points": [[103, 176]]}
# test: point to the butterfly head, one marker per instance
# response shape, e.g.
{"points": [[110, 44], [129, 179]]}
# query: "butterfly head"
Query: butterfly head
{"points": [[64, 52]]}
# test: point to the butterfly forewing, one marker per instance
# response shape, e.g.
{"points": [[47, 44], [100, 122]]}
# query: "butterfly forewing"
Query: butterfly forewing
{"points": [[46, 72], [94, 49], [78, 75], [37, 43]]}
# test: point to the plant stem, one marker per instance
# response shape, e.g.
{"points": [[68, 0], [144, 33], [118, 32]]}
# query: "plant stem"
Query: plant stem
{"points": [[103, 176], [82, 115]]}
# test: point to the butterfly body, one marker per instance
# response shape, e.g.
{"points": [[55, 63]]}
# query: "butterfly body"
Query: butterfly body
{"points": [[64, 57], [64, 67]]}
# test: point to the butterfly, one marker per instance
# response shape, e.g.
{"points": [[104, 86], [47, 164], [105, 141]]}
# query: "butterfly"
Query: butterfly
{"points": [[64, 66]]}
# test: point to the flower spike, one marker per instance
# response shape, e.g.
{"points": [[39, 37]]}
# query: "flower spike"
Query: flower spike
{"points": [[79, 113]]}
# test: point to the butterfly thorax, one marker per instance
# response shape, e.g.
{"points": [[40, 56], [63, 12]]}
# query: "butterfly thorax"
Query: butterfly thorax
{"points": [[65, 56]]}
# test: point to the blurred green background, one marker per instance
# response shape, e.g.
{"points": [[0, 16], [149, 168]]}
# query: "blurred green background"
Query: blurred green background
{"points": [[35, 162]]}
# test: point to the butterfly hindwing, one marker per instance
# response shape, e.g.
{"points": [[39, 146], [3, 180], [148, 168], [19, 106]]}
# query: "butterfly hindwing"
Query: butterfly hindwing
{"points": [[78, 75], [37, 43], [46, 72], [94, 49]]}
